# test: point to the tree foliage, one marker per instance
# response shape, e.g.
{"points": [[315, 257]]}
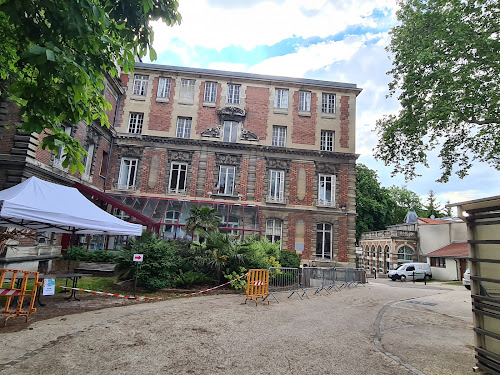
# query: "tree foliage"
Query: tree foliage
{"points": [[202, 220], [432, 206], [406, 200], [447, 76], [55, 54], [374, 205]]}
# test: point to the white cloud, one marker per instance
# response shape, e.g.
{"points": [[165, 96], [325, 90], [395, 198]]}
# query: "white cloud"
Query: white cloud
{"points": [[264, 23]]}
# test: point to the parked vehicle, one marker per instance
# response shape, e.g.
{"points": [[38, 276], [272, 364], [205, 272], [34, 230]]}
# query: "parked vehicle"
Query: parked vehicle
{"points": [[466, 279], [421, 270]]}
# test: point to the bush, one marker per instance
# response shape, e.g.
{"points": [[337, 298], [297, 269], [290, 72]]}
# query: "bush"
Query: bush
{"points": [[160, 265], [79, 253], [192, 278], [238, 284], [289, 259]]}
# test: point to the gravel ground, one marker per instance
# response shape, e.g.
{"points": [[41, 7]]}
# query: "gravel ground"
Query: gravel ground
{"points": [[383, 328]]}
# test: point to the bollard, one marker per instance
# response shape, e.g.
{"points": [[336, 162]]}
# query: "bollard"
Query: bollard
{"points": [[413, 275], [375, 274]]}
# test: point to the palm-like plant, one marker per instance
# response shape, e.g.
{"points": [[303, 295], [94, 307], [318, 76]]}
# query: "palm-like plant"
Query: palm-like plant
{"points": [[219, 251], [202, 220]]}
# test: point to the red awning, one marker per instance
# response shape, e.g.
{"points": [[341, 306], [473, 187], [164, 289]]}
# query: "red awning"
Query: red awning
{"points": [[140, 218]]}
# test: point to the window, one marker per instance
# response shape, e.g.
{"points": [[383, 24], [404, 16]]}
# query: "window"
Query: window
{"points": [[60, 151], [164, 85], [324, 240], [210, 94], [178, 174], [187, 89], [405, 254], [276, 186], [233, 94], [135, 122], [438, 262], [226, 180], [279, 136], [326, 191], [327, 140], [230, 131], [281, 98], [140, 85], [304, 101], [273, 230], [128, 171], [328, 104], [183, 127], [104, 164], [88, 159]]}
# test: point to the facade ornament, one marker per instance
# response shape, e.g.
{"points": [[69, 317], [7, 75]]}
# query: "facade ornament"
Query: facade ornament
{"points": [[283, 164], [247, 135], [231, 114], [322, 167], [211, 132], [227, 159], [180, 155]]}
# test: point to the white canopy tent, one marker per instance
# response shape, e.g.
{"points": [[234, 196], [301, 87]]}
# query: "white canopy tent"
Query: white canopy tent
{"points": [[43, 206]]}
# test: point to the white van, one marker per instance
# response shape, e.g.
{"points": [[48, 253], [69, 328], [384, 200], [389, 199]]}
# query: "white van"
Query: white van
{"points": [[405, 271]]}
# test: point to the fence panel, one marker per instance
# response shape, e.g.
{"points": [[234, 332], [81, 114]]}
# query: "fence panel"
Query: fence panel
{"points": [[283, 280]]}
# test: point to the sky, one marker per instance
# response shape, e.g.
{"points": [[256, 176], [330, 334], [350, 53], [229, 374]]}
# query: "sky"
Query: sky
{"points": [[341, 40]]}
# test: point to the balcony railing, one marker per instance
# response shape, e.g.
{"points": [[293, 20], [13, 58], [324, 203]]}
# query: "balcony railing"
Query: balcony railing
{"points": [[326, 203], [273, 199], [177, 191], [389, 234], [125, 187]]}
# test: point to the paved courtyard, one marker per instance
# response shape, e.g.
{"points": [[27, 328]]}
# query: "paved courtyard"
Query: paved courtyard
{"points": [[384, 328]]}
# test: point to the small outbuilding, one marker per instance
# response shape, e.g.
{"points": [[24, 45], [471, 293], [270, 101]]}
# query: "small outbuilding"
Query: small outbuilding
{"points": [[450, 261]]}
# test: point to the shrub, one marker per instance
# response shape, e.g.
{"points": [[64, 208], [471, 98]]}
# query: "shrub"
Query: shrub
{"points": [[79, 253], [75, 253], [192, 278], [240, 284], [289, 259], [160, 265]]}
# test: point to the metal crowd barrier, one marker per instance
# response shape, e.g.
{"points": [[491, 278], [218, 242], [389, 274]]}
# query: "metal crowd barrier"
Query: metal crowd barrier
{"points": [[317, 279], [283, 280]]}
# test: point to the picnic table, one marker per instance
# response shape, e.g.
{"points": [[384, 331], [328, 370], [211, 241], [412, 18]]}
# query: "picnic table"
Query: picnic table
{"points": [[73, 277]]}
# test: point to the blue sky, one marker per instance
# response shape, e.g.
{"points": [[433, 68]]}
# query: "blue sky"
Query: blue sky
{"points": [[342, 40]]}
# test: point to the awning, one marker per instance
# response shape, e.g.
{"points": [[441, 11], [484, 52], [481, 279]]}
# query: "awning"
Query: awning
{"points": [[43, 206]]}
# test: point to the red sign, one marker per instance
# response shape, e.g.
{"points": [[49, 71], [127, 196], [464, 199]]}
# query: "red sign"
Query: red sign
{"points": [[138, 257]]}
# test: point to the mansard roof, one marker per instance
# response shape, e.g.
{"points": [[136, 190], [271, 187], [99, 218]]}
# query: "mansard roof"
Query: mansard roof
{"points": [[251, 76]]}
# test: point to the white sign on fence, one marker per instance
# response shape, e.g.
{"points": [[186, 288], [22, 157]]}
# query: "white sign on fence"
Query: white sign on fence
{"points": [[138, 257], [49, 287]]}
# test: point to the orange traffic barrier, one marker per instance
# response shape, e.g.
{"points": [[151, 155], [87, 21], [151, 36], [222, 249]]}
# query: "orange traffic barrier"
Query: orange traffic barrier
{"points": [[18, 288], [257, 285]]}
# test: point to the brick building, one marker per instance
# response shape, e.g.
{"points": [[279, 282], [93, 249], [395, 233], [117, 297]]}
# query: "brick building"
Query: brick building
{"points": [[275, 156]]}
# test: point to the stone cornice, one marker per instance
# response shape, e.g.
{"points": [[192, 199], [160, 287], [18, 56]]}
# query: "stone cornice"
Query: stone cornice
{"points": [[194, 144]]}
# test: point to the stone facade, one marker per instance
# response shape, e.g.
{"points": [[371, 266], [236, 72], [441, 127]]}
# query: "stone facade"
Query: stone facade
{"points": [[238, 142], [272, 157]]}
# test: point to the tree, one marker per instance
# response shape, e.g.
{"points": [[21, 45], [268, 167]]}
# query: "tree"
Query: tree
{"points": [[406, 200], [433, 207], [202, 220], [374, 205], [447, 77], [55, 54]]}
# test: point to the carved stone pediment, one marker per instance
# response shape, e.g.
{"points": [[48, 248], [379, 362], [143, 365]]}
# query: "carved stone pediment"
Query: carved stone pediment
{"points": [[283, 164], [231, 111], [322, 167], [176, 155], [231, 114], [227, 159], [211, 132], [247, 135], [133, 152]]}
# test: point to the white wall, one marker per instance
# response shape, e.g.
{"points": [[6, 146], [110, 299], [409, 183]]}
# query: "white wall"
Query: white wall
{"points": [[436, 236], [450, 272]]}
